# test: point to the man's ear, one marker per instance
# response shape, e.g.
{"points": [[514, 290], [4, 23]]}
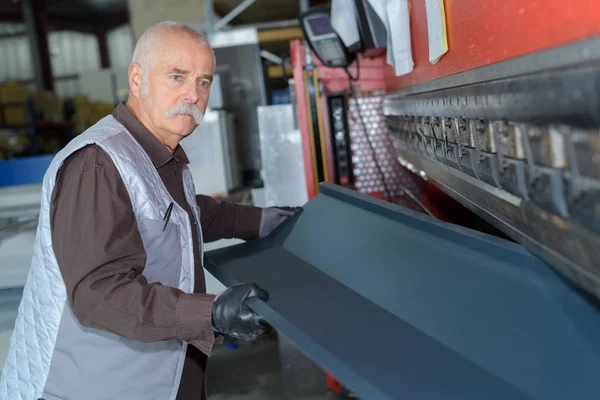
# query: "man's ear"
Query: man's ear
{"points": [[135, 79]]}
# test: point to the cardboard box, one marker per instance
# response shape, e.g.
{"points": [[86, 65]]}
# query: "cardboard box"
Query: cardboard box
{"points": [[13, 92]]}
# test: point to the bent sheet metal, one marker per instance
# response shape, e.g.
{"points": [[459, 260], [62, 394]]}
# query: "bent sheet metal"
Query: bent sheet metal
{"points": [[396, 304]]}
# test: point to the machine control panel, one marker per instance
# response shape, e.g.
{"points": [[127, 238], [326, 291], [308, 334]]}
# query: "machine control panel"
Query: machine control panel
{"points": [[323, 39], [340, 135]]}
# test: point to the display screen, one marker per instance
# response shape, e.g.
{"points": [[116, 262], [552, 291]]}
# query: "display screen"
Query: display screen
{"points": [[320, 26]]}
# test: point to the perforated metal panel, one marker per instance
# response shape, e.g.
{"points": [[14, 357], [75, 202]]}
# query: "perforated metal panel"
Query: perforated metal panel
{"points": [[367, 177]]}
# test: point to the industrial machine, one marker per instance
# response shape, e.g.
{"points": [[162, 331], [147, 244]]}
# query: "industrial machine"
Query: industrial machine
{"points": [[516, 141], [340, 137], [379, 281], [405, 305]]}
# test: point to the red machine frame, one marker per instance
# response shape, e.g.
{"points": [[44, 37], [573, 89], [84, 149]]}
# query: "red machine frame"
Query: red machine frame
{"points": [[483, 32], [333, 80]]}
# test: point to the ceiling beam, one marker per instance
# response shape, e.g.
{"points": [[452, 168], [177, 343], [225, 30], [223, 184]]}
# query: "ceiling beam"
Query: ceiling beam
{"points": [[50, 3], [283, 34], [233, 13], [263, 26], [62, 24], [11, 16]]}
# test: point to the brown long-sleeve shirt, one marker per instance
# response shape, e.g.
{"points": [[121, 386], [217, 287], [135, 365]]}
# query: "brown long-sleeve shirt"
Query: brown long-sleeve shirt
{"points": [[101, 255]]}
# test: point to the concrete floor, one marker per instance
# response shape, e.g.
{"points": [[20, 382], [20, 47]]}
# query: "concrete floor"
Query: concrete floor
{"points": [[252, 372]]}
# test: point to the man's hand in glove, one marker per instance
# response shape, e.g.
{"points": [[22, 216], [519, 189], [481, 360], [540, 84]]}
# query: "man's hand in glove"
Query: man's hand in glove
{"points": [[232, 317], [272, 217]]}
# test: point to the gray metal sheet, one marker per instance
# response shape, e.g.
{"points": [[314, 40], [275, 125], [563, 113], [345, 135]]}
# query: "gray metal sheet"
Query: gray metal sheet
{"points": [[398, 305]]}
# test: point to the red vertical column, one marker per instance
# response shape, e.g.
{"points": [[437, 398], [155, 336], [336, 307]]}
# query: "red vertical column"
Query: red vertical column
{"points": [[297, 52]]}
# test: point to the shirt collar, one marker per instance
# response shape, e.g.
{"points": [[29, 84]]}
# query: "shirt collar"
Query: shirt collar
{"points": [[158, 153]]}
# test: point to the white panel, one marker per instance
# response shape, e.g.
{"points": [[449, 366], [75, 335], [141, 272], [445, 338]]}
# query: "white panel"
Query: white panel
{"points": [[93, 48], [10, 53], [281, 152], [24, 59], [54, 51], [90, 59], [77, 57], [3, 60], [15, 56], [79, 47], [120, 46], [73, 52], [207, 150], [70, 53], [59, 53]]}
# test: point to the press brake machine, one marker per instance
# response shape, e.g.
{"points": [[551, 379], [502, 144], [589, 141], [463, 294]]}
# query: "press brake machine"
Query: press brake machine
{"points": [[403, 305]]}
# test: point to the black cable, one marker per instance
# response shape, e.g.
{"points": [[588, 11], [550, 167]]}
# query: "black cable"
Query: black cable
{"points": [[357, 72], [387, 192]]}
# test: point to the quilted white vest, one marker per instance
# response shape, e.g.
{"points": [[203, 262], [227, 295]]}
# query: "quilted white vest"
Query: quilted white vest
{"points": [[51, 355]]}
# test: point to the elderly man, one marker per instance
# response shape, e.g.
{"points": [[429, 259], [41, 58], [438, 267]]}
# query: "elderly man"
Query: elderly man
{"points": [[115, 305]]}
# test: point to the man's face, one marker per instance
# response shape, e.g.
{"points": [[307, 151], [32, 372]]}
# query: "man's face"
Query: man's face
{"points": [[179, 83]]}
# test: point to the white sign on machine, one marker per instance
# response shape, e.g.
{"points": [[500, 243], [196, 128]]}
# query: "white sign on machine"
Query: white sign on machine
{"points": [[395, 14]]}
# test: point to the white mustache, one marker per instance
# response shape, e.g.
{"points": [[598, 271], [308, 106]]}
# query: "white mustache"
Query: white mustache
{"points": [[185, 109]]}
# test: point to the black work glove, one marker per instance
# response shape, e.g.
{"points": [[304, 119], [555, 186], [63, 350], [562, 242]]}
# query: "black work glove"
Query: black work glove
{"points": [[272, 217], [232, 317]]}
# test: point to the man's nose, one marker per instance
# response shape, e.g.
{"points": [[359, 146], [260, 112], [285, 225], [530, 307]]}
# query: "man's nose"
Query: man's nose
{"points": [[191, 93]]}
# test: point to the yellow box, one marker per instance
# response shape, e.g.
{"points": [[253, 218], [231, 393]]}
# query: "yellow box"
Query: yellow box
{"points": [[13, 92], [14, 115]]}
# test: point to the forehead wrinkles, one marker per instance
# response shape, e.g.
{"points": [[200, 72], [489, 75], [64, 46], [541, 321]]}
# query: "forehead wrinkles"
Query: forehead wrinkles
{"points": [[193, 59]]}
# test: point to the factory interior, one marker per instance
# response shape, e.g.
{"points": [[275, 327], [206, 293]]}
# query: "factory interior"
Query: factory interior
{"points": [[446, 158]]}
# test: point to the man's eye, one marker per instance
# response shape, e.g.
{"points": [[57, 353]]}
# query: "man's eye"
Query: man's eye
{"points": [[205, 84], [176, 78]]}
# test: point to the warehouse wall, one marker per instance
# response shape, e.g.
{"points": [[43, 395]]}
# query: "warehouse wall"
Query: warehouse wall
{"points": [[120, 46], [71, 54], [15, 62]]}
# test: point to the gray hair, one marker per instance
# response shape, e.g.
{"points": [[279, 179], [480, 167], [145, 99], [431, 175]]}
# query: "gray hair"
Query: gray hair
{"points": [[146, 48]]}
